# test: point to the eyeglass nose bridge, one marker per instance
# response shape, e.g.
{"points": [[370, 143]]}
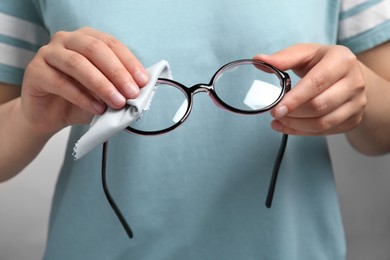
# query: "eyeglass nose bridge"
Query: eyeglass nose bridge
{"points": [[208, 89], [200, 87]]}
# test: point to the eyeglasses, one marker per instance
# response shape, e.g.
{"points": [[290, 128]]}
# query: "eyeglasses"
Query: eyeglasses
{"points": [[245, 87]]}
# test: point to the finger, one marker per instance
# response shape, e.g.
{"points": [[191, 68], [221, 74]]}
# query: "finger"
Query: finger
{"points": [[131, 63], [311, 86], [81, 69], [54, 82], [349, 125], [341, 120], [104, 59], [298, 57], [328, 101]]}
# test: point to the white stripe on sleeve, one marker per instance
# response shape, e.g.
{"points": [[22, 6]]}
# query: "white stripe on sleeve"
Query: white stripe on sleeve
{"points": [[364, 21], [22, 30], [14, 56]]}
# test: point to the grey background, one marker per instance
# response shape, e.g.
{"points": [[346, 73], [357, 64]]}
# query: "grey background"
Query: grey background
{"points": [[362, 182]]}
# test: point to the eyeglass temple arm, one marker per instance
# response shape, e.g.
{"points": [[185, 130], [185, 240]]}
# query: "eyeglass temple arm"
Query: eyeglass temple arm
{"points": [[113, 205], [278, 162], [126, 226]]}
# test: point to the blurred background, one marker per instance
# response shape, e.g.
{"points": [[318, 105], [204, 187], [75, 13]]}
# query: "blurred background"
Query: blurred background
{"points": [[362, 182]]}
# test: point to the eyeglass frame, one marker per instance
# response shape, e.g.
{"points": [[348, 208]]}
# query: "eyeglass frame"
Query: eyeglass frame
{"points": [[285, 83]]}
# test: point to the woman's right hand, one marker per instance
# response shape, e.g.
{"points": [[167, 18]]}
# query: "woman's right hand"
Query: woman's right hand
{"points": [[76, 75]]}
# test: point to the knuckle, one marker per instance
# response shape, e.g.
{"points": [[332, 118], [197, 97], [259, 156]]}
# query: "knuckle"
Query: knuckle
{"points": [[323, 125], [361, 83], [354, 122], [43, 50], [35, 67], [43, 53], [60, 35], [319, 106], [111, 42], [118, 73], [357, 120], [360, 102], [342, 50], [346, 56], [349, 57], [100, 85], [319, 82], [73, 61], [363, 102], [93, 47]]}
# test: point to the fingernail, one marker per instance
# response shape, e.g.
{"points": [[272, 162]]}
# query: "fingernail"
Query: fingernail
{"points": [[262, 55], [141, 77], [281, 112], [117, 99], [130, 90]]}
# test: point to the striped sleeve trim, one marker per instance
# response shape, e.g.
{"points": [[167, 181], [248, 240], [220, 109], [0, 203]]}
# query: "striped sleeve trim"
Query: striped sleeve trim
{"points": [[22, 30], [15, 56], [349, 4], [19, 40], [359, 17]]}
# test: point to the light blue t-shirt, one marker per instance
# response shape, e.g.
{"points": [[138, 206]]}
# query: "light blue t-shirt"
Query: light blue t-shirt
{"points": [[199, 191]]}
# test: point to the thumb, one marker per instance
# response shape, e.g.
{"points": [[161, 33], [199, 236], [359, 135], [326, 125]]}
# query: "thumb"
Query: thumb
{"points": [[300, 58]]}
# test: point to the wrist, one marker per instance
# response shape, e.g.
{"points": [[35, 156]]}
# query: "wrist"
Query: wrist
{"points": [[28, 126], [20, 140]]}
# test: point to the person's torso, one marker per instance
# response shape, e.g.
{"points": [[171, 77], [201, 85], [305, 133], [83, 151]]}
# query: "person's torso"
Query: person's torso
{"points": [[199, 191]]}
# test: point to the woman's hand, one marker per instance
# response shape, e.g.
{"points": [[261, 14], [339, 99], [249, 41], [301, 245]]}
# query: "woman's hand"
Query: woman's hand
{"points": [[331, 96], [76, 76]]}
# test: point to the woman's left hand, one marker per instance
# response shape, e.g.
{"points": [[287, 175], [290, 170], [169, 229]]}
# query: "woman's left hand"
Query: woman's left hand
{"points": [[331, 96]]}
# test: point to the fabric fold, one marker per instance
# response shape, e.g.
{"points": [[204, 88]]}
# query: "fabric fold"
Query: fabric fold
{"points": [[113, 121]]}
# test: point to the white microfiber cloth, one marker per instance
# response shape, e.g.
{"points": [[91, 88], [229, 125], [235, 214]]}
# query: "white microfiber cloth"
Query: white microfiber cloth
{"points": [[113, 121]]}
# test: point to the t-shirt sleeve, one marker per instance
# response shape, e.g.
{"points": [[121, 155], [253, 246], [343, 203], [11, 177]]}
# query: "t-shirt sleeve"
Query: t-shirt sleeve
{"points": [[22, 33], [364, 24]]}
